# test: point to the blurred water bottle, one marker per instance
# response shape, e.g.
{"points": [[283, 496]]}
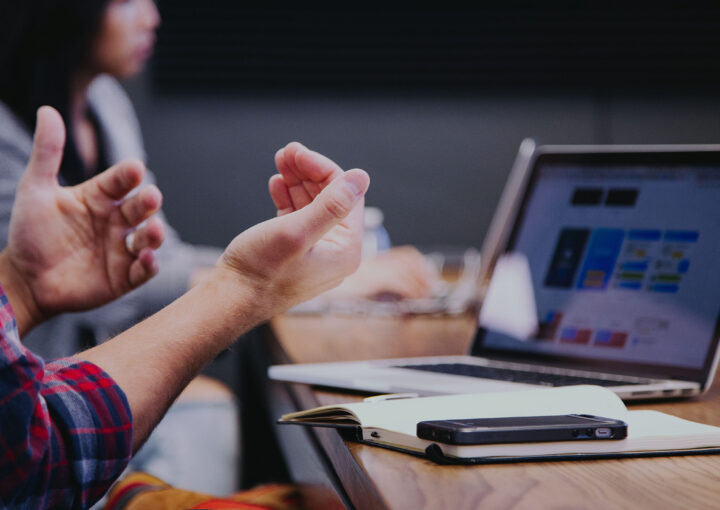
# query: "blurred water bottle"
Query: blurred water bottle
{"points": [[375, 238]]}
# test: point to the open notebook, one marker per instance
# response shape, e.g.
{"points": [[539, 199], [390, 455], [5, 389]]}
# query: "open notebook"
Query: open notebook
{"points": [[392, 423]]}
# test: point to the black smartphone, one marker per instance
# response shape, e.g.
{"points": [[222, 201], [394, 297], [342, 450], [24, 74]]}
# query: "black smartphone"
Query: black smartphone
{"points": [[522, 429]]}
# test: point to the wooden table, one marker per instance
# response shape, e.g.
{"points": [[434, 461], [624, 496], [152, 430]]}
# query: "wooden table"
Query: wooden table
{"points": [[367, 477]]}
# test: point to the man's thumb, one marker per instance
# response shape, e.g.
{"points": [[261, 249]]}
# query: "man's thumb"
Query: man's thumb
{"points": [[48, 144], [333, 204]]}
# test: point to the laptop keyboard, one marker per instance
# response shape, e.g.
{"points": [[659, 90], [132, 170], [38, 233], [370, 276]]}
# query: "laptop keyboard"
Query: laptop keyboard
{"points": [[520, 376]]}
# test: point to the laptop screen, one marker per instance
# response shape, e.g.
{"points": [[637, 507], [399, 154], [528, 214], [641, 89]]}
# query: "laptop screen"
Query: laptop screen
{"points": [[623, 252]]}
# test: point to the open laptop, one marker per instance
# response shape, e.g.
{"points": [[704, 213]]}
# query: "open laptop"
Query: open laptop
{"points": [[619, 248]]}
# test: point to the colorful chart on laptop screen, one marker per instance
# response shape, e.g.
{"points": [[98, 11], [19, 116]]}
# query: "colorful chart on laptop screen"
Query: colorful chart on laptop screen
{"points": [[624, 263]]}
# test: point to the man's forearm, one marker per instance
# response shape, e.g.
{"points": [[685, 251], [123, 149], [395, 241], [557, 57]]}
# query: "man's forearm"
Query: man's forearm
{"points": [[153, 361], [264, 270]]}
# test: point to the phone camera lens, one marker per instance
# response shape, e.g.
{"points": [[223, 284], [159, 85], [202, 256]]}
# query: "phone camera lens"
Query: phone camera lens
{"points": [[575, 433]]}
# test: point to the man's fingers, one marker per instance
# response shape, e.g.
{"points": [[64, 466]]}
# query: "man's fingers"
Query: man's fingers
{"points": [[306, 172], [112, 185], [316, 167], [48, 144], [285, 162], [300, 196], [151, 235], [315, 171], [143, 268], [280, 195], [313, 188], [141, 206], [331, 206], [119, 180]]}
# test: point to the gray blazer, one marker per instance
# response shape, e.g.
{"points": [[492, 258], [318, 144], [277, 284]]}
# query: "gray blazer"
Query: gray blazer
{"points": [[122, 139]]}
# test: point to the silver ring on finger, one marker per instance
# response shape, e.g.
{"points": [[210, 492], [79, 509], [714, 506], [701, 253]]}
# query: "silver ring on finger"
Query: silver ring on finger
{"points": [[130, 243]]}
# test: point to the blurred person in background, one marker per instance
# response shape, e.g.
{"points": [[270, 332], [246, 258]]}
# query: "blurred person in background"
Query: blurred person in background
{"points": [[70, 54]]}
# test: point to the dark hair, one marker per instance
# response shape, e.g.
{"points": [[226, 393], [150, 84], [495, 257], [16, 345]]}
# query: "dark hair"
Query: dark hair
{"points": [[42, 45]]}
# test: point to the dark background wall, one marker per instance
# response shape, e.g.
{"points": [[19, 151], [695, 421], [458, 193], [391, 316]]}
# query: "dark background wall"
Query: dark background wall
{"points": [[432, 103]]}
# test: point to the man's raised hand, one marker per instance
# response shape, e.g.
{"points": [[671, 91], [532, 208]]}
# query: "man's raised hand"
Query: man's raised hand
{"points": [[74, 248], [315, 241]]}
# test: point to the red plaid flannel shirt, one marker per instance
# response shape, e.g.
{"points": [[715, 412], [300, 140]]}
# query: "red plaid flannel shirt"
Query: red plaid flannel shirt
{"points": [[65, 427]]}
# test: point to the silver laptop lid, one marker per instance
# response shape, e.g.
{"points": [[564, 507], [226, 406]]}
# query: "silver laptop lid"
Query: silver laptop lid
{"points": [[622, 245]]}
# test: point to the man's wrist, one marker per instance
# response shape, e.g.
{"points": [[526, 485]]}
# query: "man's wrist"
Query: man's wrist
{"points": [[27, 313], [242, 301]]}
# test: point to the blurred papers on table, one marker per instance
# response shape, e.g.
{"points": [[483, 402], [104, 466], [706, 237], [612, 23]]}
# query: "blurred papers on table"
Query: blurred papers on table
{"points": [[454, 294]]}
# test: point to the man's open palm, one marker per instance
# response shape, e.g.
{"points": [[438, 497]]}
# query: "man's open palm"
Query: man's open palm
{"points": [[68, 244]]}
